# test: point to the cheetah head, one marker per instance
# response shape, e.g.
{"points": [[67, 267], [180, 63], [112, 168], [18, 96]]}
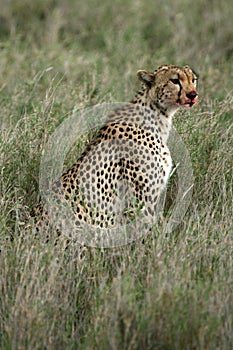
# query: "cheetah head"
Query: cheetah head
{"points": [[170, 87]]}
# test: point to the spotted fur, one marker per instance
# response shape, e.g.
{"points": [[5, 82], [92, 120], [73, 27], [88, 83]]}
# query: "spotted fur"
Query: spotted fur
{"points": [[126, 166]]}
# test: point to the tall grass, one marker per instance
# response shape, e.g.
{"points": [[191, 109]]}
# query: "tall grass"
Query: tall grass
{"points": [[170, 292]]}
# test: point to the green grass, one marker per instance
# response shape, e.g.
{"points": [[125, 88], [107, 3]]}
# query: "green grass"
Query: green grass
{"points": [[170, 292]]}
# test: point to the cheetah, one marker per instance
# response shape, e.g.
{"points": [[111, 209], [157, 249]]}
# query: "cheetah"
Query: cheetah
{"points": [[125, 167]]}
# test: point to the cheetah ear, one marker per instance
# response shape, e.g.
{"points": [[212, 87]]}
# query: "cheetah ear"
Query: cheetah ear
{"points": [[146, 77]]}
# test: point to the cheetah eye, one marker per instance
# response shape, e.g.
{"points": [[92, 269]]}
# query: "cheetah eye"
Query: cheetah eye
{"points": [[175, 81]]}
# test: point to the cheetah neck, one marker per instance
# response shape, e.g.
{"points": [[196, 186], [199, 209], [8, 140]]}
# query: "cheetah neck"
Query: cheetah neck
{"points": [[156, 114]]}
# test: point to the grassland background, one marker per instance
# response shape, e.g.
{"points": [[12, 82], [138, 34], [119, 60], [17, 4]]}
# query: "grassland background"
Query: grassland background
{"points": [[171, 292]]}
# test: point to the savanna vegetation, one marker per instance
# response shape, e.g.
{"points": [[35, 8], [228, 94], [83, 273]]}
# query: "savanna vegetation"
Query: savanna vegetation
{"points": [[170, 291]]}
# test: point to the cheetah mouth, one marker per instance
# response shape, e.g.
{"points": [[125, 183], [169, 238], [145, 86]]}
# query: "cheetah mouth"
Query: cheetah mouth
{"points": [[188, 103]]}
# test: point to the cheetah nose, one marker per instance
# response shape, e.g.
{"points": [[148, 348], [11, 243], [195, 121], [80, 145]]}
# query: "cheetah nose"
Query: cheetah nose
{"points": [[191, 95]]}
